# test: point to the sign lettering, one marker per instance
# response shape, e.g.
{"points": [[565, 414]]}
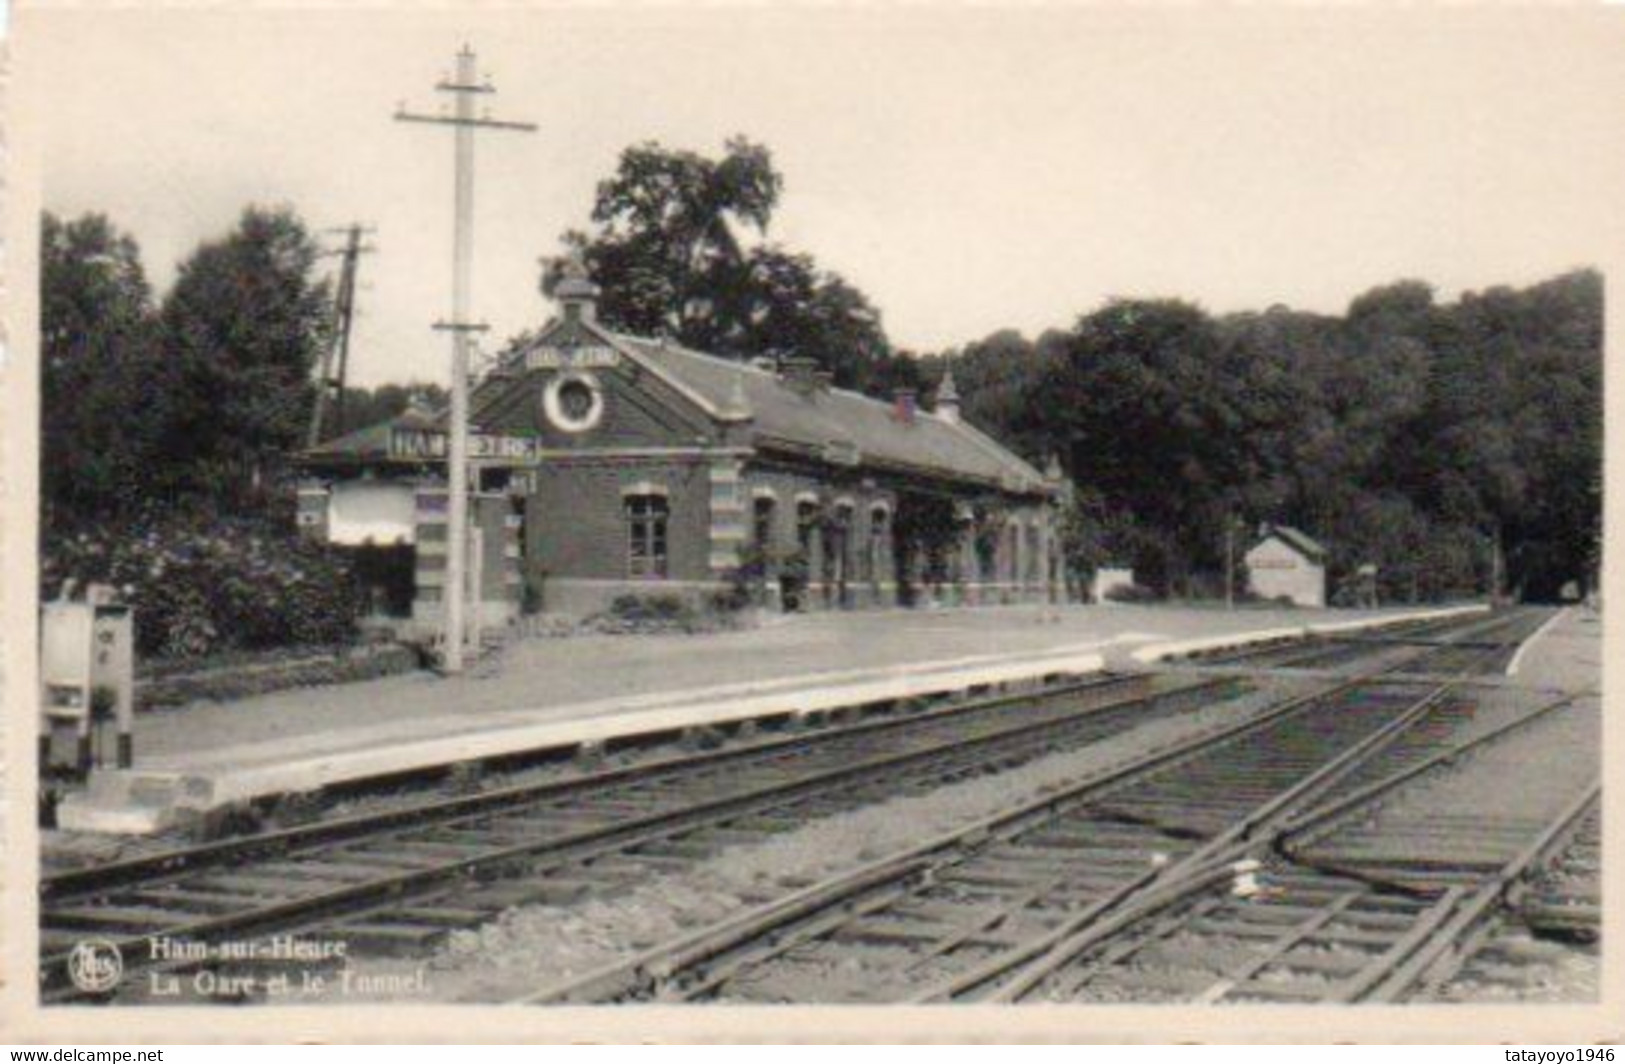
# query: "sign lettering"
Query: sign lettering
{"points": [[429, 444], [596, 356]]}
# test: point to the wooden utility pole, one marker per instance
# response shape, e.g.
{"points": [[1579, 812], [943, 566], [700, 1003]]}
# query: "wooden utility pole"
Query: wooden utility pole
{"points": [[1229, 560], [330, 382], [463, 86]]}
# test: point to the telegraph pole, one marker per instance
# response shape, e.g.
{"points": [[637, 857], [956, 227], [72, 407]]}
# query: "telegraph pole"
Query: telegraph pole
{"points": [[330, 384], [463, 86]]}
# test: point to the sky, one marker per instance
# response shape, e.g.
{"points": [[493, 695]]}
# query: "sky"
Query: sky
{"points": [[969, 168]]}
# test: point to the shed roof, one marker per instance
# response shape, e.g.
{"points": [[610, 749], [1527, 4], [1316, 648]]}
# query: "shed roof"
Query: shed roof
{"points": [[1298, 541], [372, 443]]}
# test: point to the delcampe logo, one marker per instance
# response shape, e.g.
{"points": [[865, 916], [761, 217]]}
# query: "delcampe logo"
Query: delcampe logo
{"points": [[95, 965]]}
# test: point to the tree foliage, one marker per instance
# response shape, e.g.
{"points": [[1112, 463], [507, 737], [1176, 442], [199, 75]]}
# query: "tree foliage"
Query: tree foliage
{"points": [[102, 372], [1406, 434], [244, 325]]}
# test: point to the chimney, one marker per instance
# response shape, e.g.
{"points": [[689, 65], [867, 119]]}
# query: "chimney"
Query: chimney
{"points": [[801, 374], [948, 396], [575, 291], [903, 404]]}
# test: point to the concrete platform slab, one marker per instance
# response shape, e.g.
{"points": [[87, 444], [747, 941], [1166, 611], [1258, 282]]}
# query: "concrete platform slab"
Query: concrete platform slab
{"points": [[1564, 653]]}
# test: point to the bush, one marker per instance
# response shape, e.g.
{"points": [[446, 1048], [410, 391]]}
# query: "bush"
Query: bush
{"points": [[653, 606], [1130, 593], [205, 584]]}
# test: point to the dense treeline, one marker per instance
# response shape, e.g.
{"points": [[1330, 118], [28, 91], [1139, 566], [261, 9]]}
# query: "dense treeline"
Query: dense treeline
{"points": [[167, 426], [194, 401], [1448, 444]]}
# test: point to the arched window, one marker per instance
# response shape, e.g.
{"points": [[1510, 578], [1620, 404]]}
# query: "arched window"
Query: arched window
{"points": [[646, 535], [806, 523], [763, 509]]}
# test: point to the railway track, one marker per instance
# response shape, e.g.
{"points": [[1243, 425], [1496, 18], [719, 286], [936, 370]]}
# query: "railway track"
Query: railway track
{"points": [[1555, 907], [403, 878], [1443, 646], [400, 880], [1004, 909], [1185, 879]]}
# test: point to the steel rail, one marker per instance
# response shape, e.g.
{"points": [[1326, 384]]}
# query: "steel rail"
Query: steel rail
{"points": [[660, 965], [1042, 957], [1196, 871], [1435, 962], [154, 868], [1325, 817]]}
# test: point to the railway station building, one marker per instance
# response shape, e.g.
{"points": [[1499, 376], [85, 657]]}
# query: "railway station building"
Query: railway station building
{"points": [[607, 465]]}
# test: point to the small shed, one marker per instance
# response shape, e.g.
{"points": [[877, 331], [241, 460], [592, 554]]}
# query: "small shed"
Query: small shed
{"points": [[1109, 578], [1286, 563]]}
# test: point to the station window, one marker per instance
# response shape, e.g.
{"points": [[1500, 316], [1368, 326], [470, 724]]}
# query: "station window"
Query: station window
{"points": [[762, 522], [646, 535], [806, 524], [878, 537]]}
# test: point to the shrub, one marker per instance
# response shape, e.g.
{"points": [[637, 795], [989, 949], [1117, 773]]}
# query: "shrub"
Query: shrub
{"points": [[202, 585], [650, 606]]}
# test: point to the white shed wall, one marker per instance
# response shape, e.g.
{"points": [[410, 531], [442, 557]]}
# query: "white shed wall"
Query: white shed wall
{"points": [[378, 511], [1275, 569]]}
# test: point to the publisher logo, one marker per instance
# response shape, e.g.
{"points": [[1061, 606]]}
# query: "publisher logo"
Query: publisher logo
{"points": [[95, 965]]}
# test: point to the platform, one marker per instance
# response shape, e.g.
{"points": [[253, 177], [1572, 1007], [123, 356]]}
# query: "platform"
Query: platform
{"points": [[563, 692]]}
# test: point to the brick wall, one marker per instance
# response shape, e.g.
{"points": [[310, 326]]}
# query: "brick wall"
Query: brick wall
{"points": [[576, 532]]}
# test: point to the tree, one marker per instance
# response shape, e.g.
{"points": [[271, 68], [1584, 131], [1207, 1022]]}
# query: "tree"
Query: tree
{"points": [[1146, 415], [670, 238], [679, 250], [244, 325], [787, 308], [102, 382]]}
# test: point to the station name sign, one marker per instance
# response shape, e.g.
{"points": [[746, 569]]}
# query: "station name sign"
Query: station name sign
{"points": [[596, 356], [431, 444]]}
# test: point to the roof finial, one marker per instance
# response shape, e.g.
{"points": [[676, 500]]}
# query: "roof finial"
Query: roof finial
{"points": [[575, 291]]}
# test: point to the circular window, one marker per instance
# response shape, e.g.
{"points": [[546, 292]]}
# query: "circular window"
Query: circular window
{"points": [[573, 402]]}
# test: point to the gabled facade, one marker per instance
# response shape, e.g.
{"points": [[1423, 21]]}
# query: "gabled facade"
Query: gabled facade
{"points": [[636, 465]]}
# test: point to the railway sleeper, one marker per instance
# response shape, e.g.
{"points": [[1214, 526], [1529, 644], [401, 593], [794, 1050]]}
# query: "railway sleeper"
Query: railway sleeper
{"points": [[132, 919], [390, 938], [192, 901], [446, 916], [906, 933], [553, 890]]}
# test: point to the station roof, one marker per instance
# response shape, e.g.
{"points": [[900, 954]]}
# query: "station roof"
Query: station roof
{"points": [[804, 417], [810, 418]]}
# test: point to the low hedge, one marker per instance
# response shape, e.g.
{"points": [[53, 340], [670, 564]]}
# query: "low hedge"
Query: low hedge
{"points": [[245, 677], [203, 585]]}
